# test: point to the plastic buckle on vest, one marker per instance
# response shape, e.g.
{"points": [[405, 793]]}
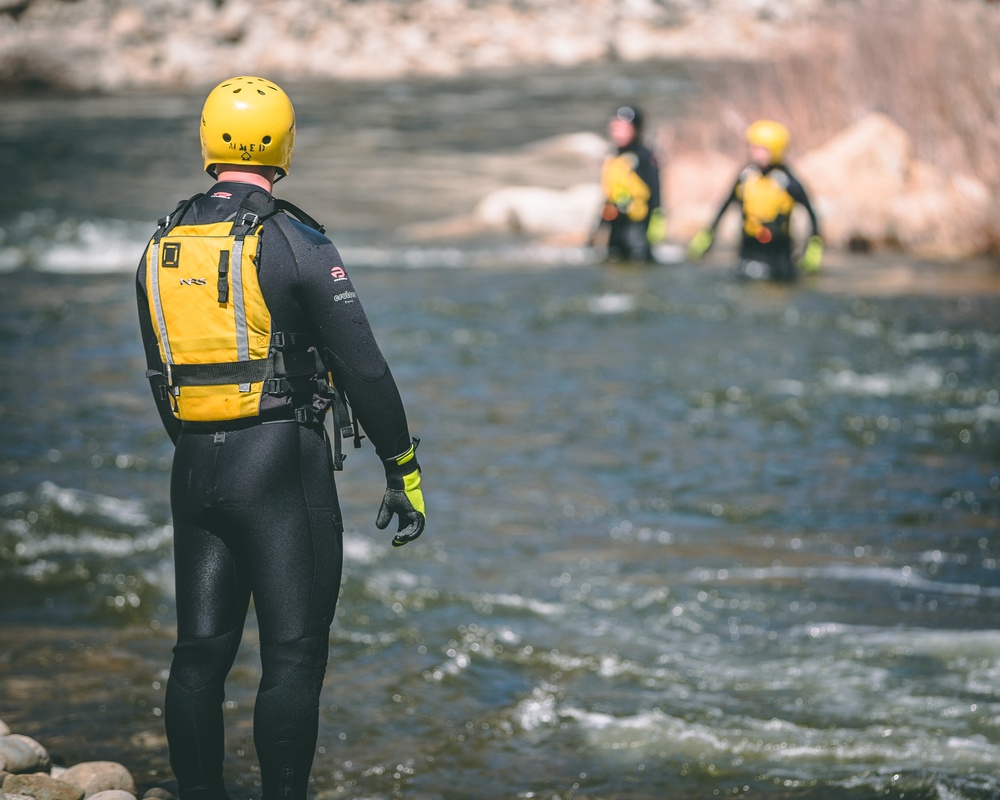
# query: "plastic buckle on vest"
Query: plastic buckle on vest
{"points": [[276, 387], [304, 415], [325, 389], [278, 340]]}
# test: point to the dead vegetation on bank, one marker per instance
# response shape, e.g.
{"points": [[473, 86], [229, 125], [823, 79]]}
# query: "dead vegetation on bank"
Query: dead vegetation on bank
{"points": [[933, 66]]}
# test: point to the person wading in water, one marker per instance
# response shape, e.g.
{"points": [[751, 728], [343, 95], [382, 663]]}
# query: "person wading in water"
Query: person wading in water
{"points": [[632, 219], [767, 193]]}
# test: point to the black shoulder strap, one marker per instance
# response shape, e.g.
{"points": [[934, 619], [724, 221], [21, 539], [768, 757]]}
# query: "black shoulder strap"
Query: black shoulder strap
{"points": [[298, 213], [169, 222], [257, 206]]}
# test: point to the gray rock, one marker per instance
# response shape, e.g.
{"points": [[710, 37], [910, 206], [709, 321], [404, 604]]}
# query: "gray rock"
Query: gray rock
{"points": [[111, 794], [156, 793], [23, 754], [99, 777], [41, 787]]}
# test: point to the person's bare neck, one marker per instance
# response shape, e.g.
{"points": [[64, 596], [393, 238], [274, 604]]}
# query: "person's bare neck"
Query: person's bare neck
{"points": [[258, 176]]}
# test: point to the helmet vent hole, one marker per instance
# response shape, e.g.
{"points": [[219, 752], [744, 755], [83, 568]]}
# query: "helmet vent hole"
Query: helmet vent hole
{"points": [[266, 140], [260, 91], [226, 137], [238, 90]]}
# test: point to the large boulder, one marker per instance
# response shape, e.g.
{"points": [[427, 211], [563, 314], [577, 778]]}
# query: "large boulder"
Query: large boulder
{"points": [[22, 754], [537, 211], [868, 187], [100, 776], [854, 177]]}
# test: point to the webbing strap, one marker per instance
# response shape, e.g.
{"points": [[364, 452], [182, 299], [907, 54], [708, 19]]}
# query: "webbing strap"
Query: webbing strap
{"points": [[338, 422], [298, 213], [241, 372], [277, 366], [223, 282]]}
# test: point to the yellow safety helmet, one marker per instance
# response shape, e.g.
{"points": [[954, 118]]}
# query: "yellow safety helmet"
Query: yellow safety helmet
{"points": [[247, 120], [771, 135]]}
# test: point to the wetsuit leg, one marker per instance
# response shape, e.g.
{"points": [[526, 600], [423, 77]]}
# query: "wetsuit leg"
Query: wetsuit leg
{"points": [[638, 243], [275, 507], [213, 594], [783, 269], [627, 241], [766, 261], [617, 249], [296, 582]]}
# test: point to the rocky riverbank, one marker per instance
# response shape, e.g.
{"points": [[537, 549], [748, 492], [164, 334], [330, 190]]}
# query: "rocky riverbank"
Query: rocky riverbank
{"points": [[113, 44], [27, 771]]}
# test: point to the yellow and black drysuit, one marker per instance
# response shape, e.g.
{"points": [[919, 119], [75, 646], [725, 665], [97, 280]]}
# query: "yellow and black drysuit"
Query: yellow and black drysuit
{"points": [[630, 182], [255, 509], [767, 197]]}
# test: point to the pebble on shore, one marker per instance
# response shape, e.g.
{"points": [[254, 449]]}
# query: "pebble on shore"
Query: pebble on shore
{"points": [[27, 771]]}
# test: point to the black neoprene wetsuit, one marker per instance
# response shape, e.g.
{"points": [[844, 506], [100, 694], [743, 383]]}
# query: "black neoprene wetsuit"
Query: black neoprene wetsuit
{"points": [[256, 514], [768, 251], [627, 238]]}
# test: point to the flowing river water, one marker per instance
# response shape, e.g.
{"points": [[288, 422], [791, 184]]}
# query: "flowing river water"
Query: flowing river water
{"points": [[687, 538]]}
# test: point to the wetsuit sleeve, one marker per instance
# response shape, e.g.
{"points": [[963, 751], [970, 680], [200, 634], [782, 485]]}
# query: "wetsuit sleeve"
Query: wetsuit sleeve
{"points": [[732, 198], [649, 171], [798, 194], [350, 351], [150, 346]]}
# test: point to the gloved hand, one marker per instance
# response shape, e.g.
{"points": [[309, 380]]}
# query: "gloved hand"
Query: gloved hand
{"points": [[403, 496], [700, 243], [812, 257], [657, 230]]}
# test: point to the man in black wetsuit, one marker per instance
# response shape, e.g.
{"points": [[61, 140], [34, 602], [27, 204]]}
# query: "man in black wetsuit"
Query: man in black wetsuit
{"points": [[767, 192], [249, 320], [631, 219]]}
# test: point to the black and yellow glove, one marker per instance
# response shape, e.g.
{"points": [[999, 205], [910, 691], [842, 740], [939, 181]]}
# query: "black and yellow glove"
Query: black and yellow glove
{"points": [[812, 258], [403, 496], [700, 243], [657, 230]]}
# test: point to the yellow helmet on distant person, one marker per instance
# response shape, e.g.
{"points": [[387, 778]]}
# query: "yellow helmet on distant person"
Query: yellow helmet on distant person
{"points": [[771, 135], [247, 120]]}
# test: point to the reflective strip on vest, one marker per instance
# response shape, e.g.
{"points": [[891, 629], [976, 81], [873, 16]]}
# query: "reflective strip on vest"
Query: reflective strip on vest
{"points": [[161, 325], [242, 340]]}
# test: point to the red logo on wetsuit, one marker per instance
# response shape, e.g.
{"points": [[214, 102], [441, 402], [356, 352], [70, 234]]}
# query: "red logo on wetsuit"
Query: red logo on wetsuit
{"points": [[222, 195], [338, 274]]}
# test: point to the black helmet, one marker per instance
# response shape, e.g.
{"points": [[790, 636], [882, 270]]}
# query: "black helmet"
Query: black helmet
{"points": [[631, 114]]}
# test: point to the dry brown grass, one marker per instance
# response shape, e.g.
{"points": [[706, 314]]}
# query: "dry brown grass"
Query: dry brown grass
{"points": [[932, 65]]}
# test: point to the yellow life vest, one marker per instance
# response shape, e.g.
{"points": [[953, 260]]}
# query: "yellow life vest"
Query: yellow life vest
{"points": [[623, 188], [767, 205], [220, 355]]}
